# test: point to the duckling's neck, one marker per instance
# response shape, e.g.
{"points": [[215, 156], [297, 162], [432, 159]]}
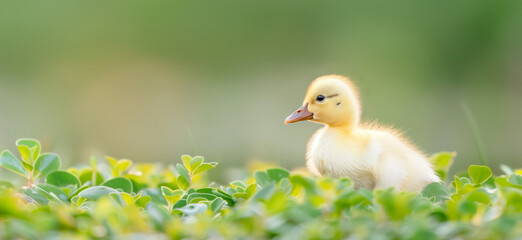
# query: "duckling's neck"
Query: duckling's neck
{"points": [[346, 127]]}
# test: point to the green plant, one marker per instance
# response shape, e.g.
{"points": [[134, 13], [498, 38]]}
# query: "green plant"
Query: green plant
{"points": [[33, 164], [141, 200]]}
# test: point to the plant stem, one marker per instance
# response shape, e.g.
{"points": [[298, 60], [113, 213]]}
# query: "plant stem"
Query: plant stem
{"points": [[30, 180]]}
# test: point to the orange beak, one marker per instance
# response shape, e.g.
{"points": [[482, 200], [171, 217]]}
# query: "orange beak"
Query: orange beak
{"points": [[300, 115]]}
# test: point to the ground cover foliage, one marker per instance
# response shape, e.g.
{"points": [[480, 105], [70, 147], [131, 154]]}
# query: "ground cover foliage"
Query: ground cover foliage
{"points": [[117, 199]]}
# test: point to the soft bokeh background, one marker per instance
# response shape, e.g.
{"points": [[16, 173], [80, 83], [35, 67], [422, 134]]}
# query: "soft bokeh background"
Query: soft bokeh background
{"points": [[151, 80]]}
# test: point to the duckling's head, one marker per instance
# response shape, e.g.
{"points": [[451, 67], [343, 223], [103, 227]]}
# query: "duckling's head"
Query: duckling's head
{"points": [[330, 100]]}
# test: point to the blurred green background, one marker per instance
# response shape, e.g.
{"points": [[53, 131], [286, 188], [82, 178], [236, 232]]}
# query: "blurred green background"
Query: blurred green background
{"points": [[151, 80]]}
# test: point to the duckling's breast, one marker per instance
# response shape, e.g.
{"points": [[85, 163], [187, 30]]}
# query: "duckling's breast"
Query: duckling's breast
{"points": [[334, 154]]}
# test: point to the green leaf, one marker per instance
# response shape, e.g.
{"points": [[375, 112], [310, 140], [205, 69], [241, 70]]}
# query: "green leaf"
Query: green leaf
{"points": [[265, 193], [9, 162], [128, 200], [300, 181], [466, 188], [206, 190], [238, 183], [32, 144], [46, 163], [182, 183], [285, 186], [227, 197], [195, 162], [231, 190], [277, 174], [277, 203], [206, 196], [186, 160], [514, 201], [87, 176], [112, 161], [62, 179], [142, 201], [118, 199], [217, 205], [179, 204], [123, 164], [468, 204], [240, 189], [77, 200], [367, 194], [183, 172], [479, 174], [457, 184], [155, 195], [442, 163], [158, 214], [239, 195], [117, 166], [26, 154], [53, 189], [33, 195], [27, 166], [503, 182], [172, 196], [204, 167], [396, 205], [351, 198], [479, 196], [436, 190], [251, 189], [119, 183], [515, 179], [78, 190], [197, 200], [97, 192], [51, 192], [263, 179]]}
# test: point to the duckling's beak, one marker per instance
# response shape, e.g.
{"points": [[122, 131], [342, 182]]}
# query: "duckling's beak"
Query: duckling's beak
{"points": [[300, 115]]}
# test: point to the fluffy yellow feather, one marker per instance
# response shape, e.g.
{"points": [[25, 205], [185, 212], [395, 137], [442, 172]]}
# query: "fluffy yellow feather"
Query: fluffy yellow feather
{"points": [[371, 155]]}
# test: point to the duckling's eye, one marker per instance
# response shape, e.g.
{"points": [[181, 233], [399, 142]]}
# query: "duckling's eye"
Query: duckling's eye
{"points": [[320, 99]]}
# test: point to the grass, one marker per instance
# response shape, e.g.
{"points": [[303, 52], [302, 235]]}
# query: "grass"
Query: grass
{"points": [[118, 199], [475, 130]]}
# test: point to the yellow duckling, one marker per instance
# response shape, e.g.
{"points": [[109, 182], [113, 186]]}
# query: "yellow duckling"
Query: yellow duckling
{"points": [[372, 156]]}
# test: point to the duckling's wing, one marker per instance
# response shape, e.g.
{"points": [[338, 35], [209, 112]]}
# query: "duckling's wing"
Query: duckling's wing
{"points": [[390, 172], [402, 166]]}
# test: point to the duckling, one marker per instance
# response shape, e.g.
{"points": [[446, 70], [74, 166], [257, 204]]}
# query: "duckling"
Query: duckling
{"points": [[372, 156]]}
